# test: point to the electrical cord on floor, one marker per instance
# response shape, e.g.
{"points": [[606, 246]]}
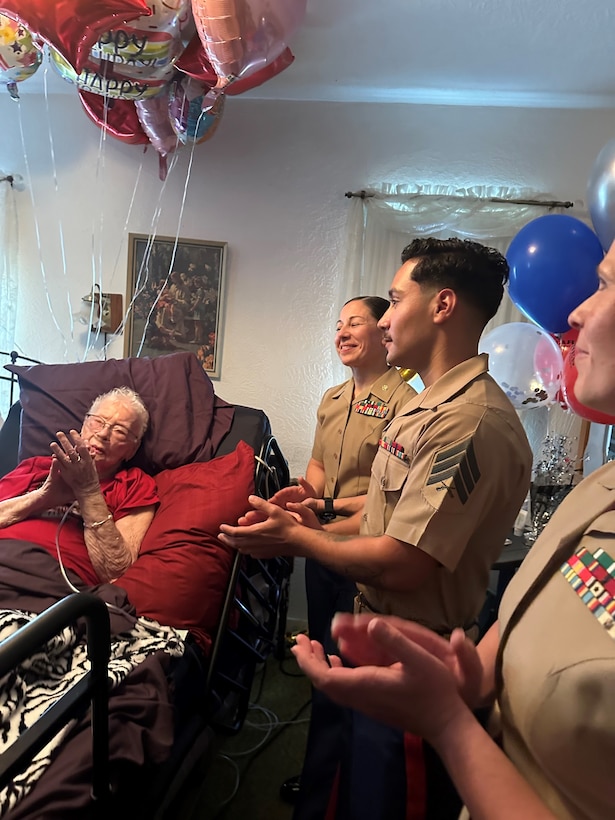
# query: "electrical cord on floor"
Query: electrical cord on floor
{"points": [[235, 788], [255, 751], [275, 735]]}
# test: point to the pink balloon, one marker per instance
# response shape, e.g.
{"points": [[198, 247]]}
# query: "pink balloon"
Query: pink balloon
{"points": [[193, 62], [154, 118], [241, 37]]}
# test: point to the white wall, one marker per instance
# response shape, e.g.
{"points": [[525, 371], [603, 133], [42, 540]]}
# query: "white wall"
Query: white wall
{"points": [[271, 183]]}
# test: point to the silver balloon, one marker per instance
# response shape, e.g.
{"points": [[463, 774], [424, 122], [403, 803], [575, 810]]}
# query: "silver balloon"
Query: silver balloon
{"points": [[601, 195]]}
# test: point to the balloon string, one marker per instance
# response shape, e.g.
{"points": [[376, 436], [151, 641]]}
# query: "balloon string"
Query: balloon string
{"points": [[177, 234], [37, 228], [98, 233], [141, 280], [120, 246], [56, 187]]}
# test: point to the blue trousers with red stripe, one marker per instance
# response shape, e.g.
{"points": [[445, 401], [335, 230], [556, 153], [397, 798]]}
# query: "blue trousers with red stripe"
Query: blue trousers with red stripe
{"points": [[356, 768], [390, 775]]}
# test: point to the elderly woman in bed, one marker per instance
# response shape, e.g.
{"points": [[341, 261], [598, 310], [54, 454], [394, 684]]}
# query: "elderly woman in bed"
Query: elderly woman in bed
{"points": [[80, 503]]}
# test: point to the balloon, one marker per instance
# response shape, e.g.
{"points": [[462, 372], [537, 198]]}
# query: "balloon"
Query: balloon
{"points": [[154, 118], [117, 118], [553, 261], [241, 37], [102, 77], [72, 26], [152, 42], [526, 362], [19, 57], [568, 382], [601, 195], [190, 121], [567, 340], [193, 62]]}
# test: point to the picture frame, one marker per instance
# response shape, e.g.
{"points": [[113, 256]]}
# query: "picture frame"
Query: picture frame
{"points": [[175, 298]]}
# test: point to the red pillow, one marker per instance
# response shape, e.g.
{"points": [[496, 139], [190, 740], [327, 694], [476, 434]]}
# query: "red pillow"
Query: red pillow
{"points": [[182, 572]]}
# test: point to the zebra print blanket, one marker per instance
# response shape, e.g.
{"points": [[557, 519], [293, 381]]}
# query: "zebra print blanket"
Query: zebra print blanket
{"points": [[34, 686], [30, 581]]}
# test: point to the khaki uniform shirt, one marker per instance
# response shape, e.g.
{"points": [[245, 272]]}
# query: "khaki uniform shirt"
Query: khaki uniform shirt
{"points": [[348, 430], [558, 658], [449, 477]]}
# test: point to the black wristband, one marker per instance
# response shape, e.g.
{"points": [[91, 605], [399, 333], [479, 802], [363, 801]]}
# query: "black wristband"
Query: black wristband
{"points": [[328, 514]]}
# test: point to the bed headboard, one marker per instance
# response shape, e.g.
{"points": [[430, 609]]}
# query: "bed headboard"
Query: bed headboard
{"points": [[187, 420]]}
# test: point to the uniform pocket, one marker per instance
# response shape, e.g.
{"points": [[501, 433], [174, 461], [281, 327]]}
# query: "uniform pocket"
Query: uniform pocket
{"points": [[390, 474]]}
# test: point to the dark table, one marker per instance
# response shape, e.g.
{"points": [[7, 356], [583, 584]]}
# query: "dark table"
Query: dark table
{"points": [[509, 561]]}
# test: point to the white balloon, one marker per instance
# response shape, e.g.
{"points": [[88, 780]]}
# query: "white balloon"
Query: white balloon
{"points": [[526, 362]]}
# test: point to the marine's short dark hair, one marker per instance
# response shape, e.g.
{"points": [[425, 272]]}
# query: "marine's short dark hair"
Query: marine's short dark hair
{"points": [[474, 271]]}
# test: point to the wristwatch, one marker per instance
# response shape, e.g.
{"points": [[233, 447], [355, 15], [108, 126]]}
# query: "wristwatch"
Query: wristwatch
{"points": [[328, 514]]}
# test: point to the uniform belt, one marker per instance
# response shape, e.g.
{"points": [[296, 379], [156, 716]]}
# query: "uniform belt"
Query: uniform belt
{"points": [[363, 605]]}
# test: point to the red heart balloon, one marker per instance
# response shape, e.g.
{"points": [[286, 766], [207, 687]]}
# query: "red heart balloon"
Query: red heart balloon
{"points": [[72, 27], [118, 118], [568, 382]]}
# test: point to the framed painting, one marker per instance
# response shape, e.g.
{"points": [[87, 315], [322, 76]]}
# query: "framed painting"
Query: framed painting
{"points": [[175, 298]]}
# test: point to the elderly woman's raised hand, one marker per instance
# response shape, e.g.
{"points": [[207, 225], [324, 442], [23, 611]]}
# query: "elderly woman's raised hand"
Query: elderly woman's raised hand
{"points": [[73, 463]]}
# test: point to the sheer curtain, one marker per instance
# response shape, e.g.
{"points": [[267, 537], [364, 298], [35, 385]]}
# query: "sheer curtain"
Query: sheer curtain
{"points": [[8, 274], [390, 216]]}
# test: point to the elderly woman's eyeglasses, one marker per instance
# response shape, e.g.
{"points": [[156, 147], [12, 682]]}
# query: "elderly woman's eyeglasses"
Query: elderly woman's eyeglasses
{"points": [[117, 432]]}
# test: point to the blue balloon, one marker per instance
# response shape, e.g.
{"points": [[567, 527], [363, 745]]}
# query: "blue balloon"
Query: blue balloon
{"points": [[553, 262]]}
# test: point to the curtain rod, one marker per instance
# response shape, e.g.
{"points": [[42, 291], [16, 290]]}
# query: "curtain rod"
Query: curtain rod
{"points": [[544, 203], [8, 178]]}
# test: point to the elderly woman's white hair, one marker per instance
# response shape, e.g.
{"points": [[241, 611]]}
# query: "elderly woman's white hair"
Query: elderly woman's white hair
{"points": [[129, 398]]}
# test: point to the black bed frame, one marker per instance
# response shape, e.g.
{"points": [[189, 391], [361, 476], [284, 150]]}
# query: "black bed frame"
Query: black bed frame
{"points": [[251, 627]]}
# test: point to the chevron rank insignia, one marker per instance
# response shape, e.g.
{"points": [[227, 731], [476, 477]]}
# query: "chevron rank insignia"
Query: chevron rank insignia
{"points": [[454, 473]]}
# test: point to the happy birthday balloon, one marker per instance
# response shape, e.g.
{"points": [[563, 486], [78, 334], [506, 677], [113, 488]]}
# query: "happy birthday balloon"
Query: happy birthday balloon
{"points": [[72, 26], [601, 195], [553, 261], [154, 41], [241, 37], [103, 77]]}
